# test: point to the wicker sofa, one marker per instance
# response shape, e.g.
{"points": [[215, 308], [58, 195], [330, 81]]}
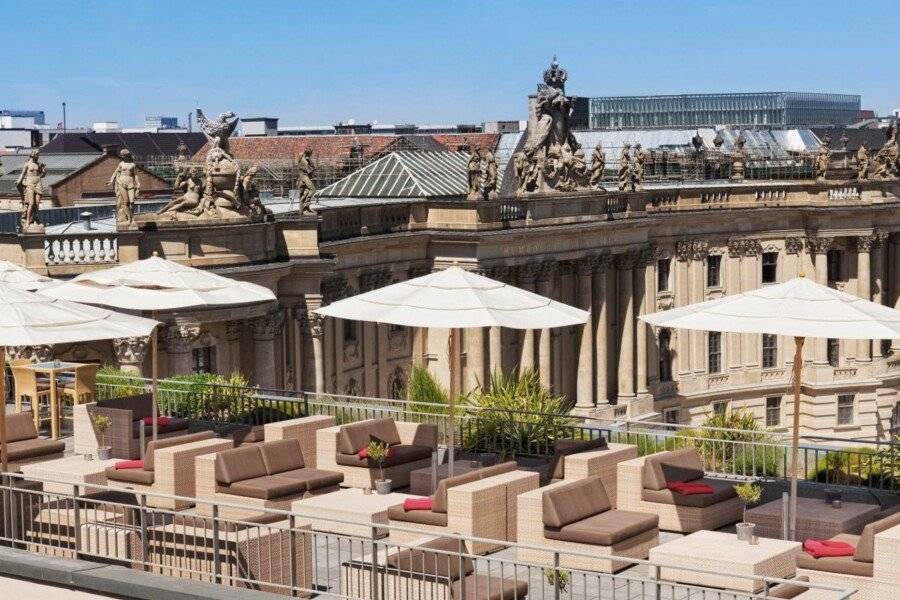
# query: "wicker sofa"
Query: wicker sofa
{"points": [[24, 446], [479, 503], [413, 445], [168, 468], [576, 518], [127, 428], [642, 487], [874, 569]]}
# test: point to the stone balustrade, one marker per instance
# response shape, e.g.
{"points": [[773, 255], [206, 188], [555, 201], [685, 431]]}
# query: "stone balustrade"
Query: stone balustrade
{"points": [[81, 249]]}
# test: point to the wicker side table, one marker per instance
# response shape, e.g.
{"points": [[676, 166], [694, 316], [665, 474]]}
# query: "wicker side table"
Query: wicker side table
{"points": [[815, 518]]}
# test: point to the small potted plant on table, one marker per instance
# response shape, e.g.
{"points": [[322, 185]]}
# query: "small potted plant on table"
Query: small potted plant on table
{"points": [[378, 452], [749, 493], [101, 424]]}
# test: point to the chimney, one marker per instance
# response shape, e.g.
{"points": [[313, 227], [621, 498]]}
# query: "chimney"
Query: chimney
{"points": [[86, 219], [110, 149]]}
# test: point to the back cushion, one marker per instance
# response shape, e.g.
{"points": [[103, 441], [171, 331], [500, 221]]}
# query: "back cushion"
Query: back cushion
{"points": [[865, 549], [282, 455], [574, 501], [239, 464], [430, 559], [500, 469], [564, 448], [140, 405], [356, 436], [153, 446], [20, 426], [665, 467], [439, 505]]}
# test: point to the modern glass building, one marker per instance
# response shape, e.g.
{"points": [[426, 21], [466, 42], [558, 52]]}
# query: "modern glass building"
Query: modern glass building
{"points": [[768, 109]]}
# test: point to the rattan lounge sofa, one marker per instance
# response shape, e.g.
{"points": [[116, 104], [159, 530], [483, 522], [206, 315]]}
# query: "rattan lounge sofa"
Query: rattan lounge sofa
{"points": [[874, 569], [124, 435], [642, 488], [24, 446], [413, 445], [576, 517], [168, 468], [479, 503]]}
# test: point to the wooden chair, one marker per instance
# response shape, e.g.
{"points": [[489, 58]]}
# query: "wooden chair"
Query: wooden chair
{"points": [[81, 388], [28, 386], [10, 384]]}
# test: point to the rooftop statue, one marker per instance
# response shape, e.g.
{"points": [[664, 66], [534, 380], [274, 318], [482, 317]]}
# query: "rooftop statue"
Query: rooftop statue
{"points": [[823, 159], [598, 164], [305, 186], [640, 157], [473, 175], [223, 174], [31, 188], [862, 162], [188, 182], [182, 152], [127, 186], [626, 169], [249, 193], [738, 158], [490, 176], [219, 130], [887, 159]]}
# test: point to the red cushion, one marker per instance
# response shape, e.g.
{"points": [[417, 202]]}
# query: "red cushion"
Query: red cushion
{"points": [[161, 421], [689, 489], [129, 464], [364, 453], [822, 548], [417, 504]]}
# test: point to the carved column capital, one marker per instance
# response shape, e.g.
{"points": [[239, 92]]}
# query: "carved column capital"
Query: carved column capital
{"points": [[265, 327], [818, 245], [418, 271], [691, 249], [602, 262], [33, 353], [131, 350], [526, 274], [180, 338], [546, 270], [738, 247], [373, 280], [335, 289], [313, 324], [234, 330], [500, 273], [626, 260], [793, 245]]}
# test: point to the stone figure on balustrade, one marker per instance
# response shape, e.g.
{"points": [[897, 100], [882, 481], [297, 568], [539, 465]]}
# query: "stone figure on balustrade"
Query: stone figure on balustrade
{"points": [[473, 175], [306, 168], [490, 175], [31, 189], [598, 164], [127, 186]]}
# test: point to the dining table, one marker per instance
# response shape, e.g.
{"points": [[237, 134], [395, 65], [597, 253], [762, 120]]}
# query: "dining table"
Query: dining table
{"points": [[54, 369]]}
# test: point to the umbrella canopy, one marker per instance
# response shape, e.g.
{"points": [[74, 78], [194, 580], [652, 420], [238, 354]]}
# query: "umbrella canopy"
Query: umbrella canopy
{"points": [[20, 278], [799, 307], [455, 298], [158, 284]]}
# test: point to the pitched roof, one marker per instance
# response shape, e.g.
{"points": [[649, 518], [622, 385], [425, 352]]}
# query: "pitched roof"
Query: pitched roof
{"points": [[873, 138], [405, 175], [288, 147], [141, 145], [59, 166]]}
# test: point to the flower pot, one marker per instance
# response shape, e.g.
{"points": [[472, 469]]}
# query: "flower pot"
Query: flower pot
{"points": [[383, 486], [103, 453], [745, 531]]}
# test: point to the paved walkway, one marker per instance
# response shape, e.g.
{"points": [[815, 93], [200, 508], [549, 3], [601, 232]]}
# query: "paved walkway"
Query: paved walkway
{"points": [[21, 589]]}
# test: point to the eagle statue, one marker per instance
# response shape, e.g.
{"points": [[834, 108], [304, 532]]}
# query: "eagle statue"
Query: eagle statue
{"points": [[218, 130]]}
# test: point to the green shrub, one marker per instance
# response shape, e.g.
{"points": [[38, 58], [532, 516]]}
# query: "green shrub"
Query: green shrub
{"points": [[846, 466], [744, 449], [113, 382], [207, 396]]}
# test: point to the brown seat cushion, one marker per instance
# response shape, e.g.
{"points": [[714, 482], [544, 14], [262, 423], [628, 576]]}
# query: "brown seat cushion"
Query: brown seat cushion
{"points": [[835, 564], [314, 479], [564, 448], [140, 405], [282, 455], [238, 464], [153, 446], [666, 467], [489, 587], [421, 517], [604, 529], [139, 476], [356, 436], [865, 550], [33, 448], [172, 425], [786, 591], [440, 494], [20, 426], [498, 469], [267, 487], [572, 502], [722, 491], [402, 454], [438, 558]]}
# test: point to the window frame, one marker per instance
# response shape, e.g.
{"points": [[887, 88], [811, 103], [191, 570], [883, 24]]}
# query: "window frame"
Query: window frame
{"points": [[777, 409], [198, 358], [714, 356], [667, 271], [773, 265], [852, 409], [714, 267], [665, 355], [769, 350], [833, 345], [834, 266]]}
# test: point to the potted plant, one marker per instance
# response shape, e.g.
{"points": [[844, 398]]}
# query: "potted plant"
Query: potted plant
{"points": [[558, 579], [378, 452], [749, 493], [101, 424]]}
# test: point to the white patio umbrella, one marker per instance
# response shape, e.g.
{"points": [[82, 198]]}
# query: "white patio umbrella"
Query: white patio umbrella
{"points": [[800, 308], [454, 299], [156, 284], [20, 278], [27, 319]]}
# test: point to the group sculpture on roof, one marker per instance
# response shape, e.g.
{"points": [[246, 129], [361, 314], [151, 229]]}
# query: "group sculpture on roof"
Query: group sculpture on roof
{"points": [[481, 170]]}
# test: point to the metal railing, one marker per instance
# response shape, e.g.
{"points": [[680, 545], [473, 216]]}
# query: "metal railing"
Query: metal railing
{"points": [[302, 553], [512, 433]]}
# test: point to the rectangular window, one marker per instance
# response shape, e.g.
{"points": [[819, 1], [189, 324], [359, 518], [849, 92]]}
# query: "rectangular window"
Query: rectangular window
{"points": [[665, 355], [834, 266], [769, 351], [773, 411], [834, 352], [670, 416], [769, 267], [845, 409], [895, 419], [204, 359], [350, 331], [715, 351], [662, 274], [720, 408], [713, 274]]}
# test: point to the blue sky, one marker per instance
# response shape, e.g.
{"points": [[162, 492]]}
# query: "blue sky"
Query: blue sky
{"points": [[429, 61]]}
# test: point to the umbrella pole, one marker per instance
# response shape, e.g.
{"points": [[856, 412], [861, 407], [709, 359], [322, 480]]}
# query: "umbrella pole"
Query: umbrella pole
{"points": [[795, 442], [3, 414], [154, 343], [451, 434]]}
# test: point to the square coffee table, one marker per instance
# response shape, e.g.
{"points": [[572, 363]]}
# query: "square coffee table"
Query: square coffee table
{"points": [[349, 504], [725, 554], [68, 471], [420, 479], [815, 518]]}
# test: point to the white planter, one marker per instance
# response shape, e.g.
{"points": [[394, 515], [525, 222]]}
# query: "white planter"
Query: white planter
{"points": [[383, 486], [103, 453], [745, 531]]}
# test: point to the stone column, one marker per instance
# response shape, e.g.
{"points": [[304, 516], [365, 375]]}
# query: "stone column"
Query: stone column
{"points": [[683, 253], [601, 331], [733, 274], [751, 343], [179, 340], [234, 331], [864, 288], [130, 353], [474, 338], [878, 279], [526, 357], [316, 331], [895, 283], [545, 288], [495, 343], [818, 248], [699, 252], [584, 394], [640, 303], [625, 265], [264, 329]]}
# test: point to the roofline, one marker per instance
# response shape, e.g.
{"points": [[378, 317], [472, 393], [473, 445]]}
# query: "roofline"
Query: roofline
{"points": [[719, 94]]}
